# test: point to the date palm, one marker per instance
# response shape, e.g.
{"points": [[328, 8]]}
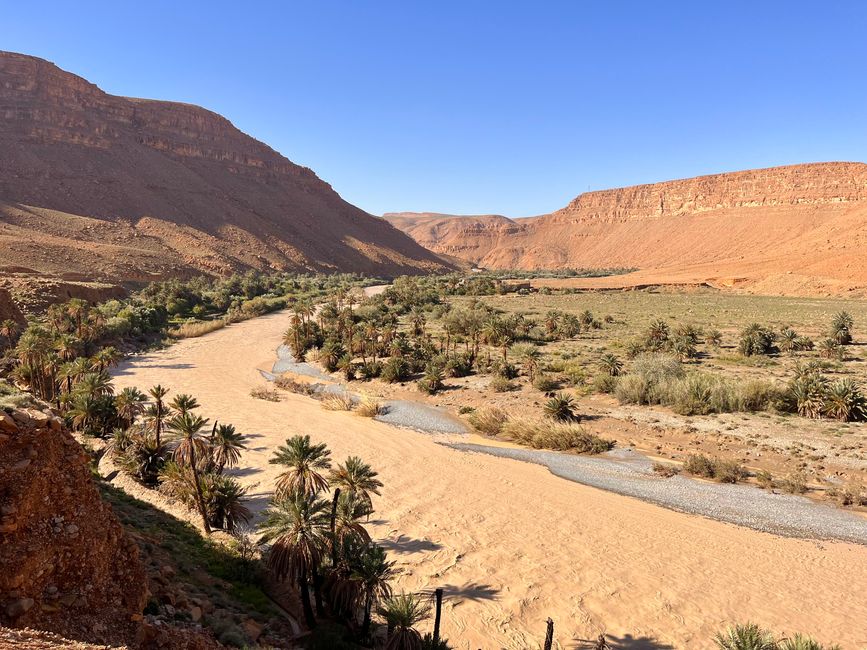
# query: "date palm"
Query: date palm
{"points": [[183, 403], [355, 477], [372, 572], [225, 499], [9, 330], [296, 527], [130, 403], [304, 463], [159, 410], [611, 365], [191, 449], [748, 636], [402, 613], [226, 447]]}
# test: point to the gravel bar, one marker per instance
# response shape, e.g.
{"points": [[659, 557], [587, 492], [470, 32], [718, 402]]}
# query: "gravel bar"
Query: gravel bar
{"points": [[631, 474]]}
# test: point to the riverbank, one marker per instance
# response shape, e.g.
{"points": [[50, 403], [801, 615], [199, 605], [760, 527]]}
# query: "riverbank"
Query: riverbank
{"points": [[513, 544]]}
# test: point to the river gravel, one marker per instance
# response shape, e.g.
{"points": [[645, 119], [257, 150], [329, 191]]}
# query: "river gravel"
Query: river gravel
{"points": [[631, 474], [626, 472]]}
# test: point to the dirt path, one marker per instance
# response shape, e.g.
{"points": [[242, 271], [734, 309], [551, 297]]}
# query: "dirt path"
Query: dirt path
{"points": [[513, 544]]}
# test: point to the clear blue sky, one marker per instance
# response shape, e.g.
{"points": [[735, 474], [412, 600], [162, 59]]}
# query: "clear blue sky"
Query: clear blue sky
{"points": [[471, 107]]}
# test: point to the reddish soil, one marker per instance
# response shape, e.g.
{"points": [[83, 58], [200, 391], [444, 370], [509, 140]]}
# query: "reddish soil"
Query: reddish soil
{"points": [[795, 230]]}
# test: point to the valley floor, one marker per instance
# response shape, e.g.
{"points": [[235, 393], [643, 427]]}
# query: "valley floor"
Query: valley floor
{"points": [[511, 543]]}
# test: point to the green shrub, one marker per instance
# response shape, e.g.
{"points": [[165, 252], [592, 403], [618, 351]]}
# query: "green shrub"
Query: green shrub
{"points": [[561, 408], [501, 385], [724, 471], [395, 369], [756, 339], [604, 384], [545, 383]]}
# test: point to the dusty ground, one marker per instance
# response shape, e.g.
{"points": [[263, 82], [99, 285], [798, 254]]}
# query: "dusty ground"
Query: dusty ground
{"points": [[513, 544]]}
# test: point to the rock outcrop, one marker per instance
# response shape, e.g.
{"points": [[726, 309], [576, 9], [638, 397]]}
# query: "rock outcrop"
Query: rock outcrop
{"points": [[796, 229], [66, 565], [94, 186]]}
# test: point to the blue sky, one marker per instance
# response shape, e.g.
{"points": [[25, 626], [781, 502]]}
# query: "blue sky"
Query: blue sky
{"points": [[472, 107]]}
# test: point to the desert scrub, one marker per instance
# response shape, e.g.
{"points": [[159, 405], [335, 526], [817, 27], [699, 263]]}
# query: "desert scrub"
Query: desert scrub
{"points": [[650, 373], [666, 470], [723, 471], [545, 383], [267, 394], [370, 407], [488, 421], [193, 329], [337, 402], [293, 386], [604, 384], [561, 408], [501, 385], [558, 436]]}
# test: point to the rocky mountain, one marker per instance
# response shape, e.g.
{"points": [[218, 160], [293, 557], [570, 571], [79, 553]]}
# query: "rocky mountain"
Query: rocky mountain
{"points": [[796, 229], [99, 187]]}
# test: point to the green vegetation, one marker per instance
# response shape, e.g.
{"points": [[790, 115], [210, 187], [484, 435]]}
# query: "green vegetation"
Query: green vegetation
{"points": [[749, 636]]}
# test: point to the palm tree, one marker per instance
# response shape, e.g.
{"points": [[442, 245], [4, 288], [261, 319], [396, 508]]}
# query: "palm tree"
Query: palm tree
{"points": [[372, 572], [355, 477], [226, 446], [841, 328], [611, 365], [844, 401], [303, 461], [9, 330], [530, 357], [350, 510], [225, 498], [296, 526], [190, 449], [561, 408], [183, 403], [106, 358], [401, 613], [130, 403], [748, 636], [800, 642], [159, 409]]}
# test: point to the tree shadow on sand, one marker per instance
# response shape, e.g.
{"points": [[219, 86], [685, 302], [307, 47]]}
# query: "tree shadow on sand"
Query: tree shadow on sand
{"points": [[470, 591], [404, 544], [626, 642]]}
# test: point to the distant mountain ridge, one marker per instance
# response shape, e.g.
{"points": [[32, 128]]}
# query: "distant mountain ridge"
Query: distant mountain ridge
{"points": [[795, 229], [94, 186]]}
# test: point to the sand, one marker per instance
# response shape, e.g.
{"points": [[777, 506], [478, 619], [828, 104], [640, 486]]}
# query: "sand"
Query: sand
{"points": [[513, 544]]}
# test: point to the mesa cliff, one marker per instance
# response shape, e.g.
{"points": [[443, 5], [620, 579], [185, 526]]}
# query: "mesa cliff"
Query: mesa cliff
{"points": [[795, 229], [99, 187]]}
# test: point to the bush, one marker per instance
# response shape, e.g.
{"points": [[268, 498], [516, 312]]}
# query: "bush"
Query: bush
{"points": [[501, 385], [395, 369], [193, 329], [545, 383], [267, 394], [575, 374], [459, 366], [604, 384], [555, 435], [370, 370], [287, 383], [337, 402], [756, 339], [724, 471], [370, 407], [488, 421], [432, 382], [666, 470]]}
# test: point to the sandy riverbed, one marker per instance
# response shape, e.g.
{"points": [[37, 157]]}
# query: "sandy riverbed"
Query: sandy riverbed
{"points": [[512, 543]]}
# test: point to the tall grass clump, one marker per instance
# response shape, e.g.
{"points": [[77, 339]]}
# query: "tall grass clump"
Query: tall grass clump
{"points": [[337, 402], [370, 407], [488, 421], [558, 436], [650, 374], [196, 328]]}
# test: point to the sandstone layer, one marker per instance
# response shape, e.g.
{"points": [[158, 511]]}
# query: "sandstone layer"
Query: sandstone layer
{"points": [[94, 186], [798, 229]]}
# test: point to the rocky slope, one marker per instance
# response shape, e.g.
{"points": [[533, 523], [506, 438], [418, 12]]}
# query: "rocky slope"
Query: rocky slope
{"points": [[94, 186], [66, 564], [796, 229]]}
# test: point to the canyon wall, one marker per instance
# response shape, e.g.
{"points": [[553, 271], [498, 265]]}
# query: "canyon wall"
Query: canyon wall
{"points": [[119, 189], [795, 230]]}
